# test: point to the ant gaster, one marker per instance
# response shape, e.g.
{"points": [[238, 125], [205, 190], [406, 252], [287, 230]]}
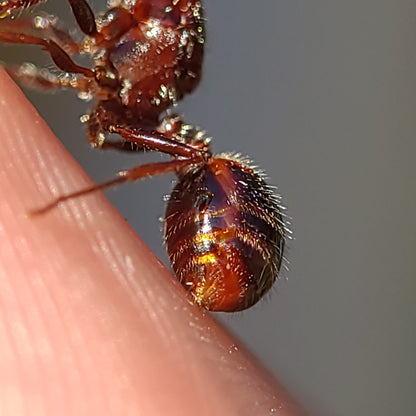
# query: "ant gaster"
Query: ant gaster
{"points": [[223, 231]]}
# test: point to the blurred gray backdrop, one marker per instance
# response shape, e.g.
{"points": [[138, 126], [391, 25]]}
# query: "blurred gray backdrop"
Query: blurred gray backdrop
{"points": [[322, 95]]}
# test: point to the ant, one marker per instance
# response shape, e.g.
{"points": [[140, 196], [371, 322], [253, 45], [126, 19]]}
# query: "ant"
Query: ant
{"points": [[224, 230]]}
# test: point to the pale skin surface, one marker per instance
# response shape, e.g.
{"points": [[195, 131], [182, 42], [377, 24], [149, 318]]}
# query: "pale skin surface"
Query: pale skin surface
{"points": [[91, 323]]}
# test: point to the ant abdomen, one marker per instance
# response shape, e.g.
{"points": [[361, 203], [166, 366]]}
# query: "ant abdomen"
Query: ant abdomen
{"points": [[224, 233]]}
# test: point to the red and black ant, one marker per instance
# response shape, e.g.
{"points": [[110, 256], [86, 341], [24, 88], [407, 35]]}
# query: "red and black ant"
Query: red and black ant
{"points": [[224, 230]]}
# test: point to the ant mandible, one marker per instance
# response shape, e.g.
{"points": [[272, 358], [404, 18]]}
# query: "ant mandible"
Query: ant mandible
{"points": [[224, 230]]}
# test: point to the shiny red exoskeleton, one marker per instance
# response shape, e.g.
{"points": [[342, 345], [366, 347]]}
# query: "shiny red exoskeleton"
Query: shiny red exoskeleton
{"points": [[224, 230], [146, 55]]}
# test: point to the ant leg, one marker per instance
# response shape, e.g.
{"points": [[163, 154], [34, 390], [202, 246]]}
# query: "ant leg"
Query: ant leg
{"points": [[45, 26], [142, 140], [7, 7], [39, 78], [158, 142], [134, 174], [164, 137], [80, 8], [123, 146], [61, 59], [103, 121], [28, 74]]}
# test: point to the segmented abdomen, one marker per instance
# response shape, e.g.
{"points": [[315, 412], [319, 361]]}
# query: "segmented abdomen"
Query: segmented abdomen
{"points": [[224, 234]]}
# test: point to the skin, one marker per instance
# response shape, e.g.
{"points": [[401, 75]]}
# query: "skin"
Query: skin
{"points": [[91, 323]]}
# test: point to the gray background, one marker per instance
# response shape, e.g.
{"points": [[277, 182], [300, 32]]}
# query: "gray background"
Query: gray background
{"points": [[322, 95]]}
